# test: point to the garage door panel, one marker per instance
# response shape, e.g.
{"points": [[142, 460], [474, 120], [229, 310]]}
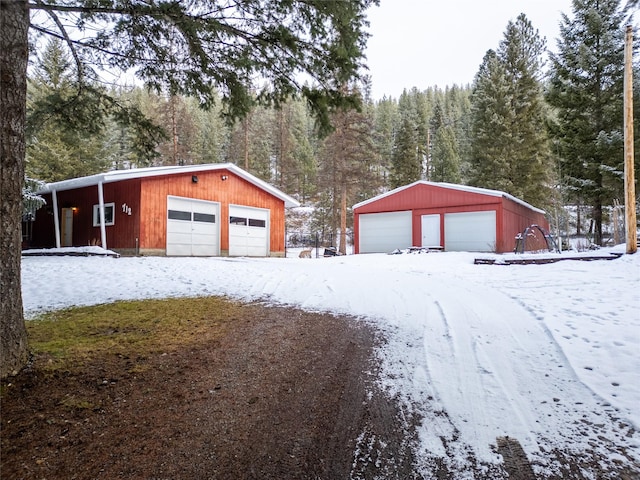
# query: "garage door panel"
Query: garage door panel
{"points": [[179, 228], [180, 238], [204, 239], [384, 232], [192, 228], [470, 231], [203, 250], [206, 229], [178, 250], [253, 239], [248, 231]]}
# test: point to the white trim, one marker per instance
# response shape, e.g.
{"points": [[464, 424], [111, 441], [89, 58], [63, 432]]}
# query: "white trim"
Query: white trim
{"points": [[451, 186], [120, 175], [103, 231], [96, 220], [56, 218]]}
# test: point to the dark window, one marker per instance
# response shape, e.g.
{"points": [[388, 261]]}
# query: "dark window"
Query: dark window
{"points": [[253, 222], [204, 217], [179, 215], [109, 210], [237, 220]]}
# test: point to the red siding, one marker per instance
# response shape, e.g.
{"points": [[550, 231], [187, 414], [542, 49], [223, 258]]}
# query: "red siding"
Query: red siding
{"points": [[424, 199], [141, 210], [211, 187], [121, 235], [43, 233], [517, 217], [125, 233]]}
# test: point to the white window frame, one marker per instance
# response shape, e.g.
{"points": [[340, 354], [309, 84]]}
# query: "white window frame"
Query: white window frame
{"points": [[96, 214]]}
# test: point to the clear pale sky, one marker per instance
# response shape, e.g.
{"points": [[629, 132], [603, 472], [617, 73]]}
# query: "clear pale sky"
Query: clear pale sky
{"points": [[424, 43]]}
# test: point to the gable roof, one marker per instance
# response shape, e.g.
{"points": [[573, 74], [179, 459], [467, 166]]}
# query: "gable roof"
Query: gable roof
{"points": [[120, 175], [451, 186]]}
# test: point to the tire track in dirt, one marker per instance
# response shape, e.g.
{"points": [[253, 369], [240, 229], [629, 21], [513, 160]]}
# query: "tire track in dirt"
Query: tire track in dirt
{"points": [[283, 394]]}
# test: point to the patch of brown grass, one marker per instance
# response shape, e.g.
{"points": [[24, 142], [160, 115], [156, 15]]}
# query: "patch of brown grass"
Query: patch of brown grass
{"points": [[66, 338]]}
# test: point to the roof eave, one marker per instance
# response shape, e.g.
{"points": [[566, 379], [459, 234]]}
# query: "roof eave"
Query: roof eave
{"points": [[121, 175]]}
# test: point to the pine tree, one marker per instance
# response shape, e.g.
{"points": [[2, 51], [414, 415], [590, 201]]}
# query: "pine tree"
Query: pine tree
{"points": [[386, 125], [415, 108], [54, 151], [447, 135], [586, 89], [521, 52], [510, 147], [305, 152], [490, 148], [134, 130], [345, 161], [211, 132], [250, 143], [458, 107], [445, 162], [406, 165], [183, 48], [173, 115]]}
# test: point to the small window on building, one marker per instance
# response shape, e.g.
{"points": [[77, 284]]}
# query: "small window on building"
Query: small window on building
{"points": [[179, 215], [204, 217], [237, 221], [109, 214], [254, 222]]}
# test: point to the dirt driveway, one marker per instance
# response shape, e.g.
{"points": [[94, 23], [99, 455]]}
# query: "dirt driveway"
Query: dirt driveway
{"points": [[284, 394]]}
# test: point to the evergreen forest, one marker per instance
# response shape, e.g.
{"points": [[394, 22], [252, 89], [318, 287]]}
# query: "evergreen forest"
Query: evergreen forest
{"points": [[544, 127]]}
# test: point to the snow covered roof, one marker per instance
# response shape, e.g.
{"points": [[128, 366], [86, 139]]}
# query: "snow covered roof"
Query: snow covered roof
{"points": [[120, 175], [452, 186]]}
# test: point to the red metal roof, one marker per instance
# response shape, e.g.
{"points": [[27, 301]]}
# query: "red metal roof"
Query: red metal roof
{"points": [[451, 186]]}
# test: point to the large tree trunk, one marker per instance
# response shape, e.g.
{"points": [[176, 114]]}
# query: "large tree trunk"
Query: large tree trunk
{"points": [[246, 124], [174, 130], [14, 25], [597, 219], [343, 217]]}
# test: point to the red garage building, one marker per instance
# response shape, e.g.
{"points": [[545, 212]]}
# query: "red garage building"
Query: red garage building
{"points": [[196, 210], [455, 217]]}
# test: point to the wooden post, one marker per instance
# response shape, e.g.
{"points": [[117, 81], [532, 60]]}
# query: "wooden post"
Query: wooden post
{"points": [[629, 181]]}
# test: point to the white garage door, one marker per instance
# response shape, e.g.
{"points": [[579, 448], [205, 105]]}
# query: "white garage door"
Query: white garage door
{"points": [[384, 232], [192, 227], [470, 231], [248, 231]]}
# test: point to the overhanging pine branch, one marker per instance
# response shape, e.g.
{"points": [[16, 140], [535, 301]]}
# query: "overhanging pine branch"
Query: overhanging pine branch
{"points": [[69, 42]]}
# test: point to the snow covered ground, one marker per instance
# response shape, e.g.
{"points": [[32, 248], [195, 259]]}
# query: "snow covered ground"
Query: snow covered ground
{"points": [[546, 354]]}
